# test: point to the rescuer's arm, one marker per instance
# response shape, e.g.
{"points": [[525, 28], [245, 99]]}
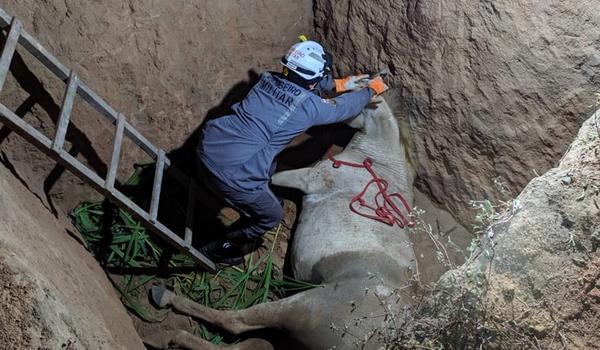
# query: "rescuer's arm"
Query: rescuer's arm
{"points": [[346, 106], [351, 82]]}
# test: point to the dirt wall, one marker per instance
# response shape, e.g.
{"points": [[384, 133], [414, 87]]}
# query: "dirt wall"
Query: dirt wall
{"points": [[164, 64], [491, 89], [53, 293]]}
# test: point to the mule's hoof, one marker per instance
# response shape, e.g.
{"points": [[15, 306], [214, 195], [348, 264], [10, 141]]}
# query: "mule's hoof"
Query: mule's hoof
{"points": [[160, 296]]}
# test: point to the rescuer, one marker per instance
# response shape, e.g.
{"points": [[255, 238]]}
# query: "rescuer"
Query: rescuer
{"points": [[237, 152]]}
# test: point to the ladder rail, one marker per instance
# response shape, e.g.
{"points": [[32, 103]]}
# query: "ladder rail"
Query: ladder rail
{"points": [[9, 49], [142, 142], [54, 148]]}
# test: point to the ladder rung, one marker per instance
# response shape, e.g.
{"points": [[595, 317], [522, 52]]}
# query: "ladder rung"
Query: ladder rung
{"points": [[10, 47], [65, 112], [116, 153], [158, 175], [189, 215]]}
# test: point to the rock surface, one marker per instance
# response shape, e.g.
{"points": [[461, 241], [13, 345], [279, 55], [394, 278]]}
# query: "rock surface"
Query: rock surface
{"points": [[164, 64], [53, 293], [547, 252], [537, 280], [491, 89]]}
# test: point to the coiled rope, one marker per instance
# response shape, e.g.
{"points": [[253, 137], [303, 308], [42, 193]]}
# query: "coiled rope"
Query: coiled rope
{"points": [[385, 209]]}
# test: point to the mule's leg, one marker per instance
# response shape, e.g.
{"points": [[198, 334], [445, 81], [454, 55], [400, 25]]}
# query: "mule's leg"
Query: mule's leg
{"points": [[305, 317], [185, 340], [267, 315]]}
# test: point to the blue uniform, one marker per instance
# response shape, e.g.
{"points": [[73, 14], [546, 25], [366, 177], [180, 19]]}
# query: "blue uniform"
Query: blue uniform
{"points": [[240, 149], [327, 84]]}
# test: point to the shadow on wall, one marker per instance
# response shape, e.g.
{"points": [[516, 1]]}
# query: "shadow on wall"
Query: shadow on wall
{"points": [[181, 155], [38, 95]]}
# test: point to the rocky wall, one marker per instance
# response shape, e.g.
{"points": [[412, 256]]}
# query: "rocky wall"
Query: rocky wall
{"points": [[490, 89]]}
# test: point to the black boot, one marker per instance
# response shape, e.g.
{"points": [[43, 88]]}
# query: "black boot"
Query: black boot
{"points": [[246, 244], [223, 253]]}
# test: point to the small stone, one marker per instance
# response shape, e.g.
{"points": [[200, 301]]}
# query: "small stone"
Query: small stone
{"points": [[578, 262], [596, 235], [508, 294], [567, 180], [539, 330], [594, 60]]}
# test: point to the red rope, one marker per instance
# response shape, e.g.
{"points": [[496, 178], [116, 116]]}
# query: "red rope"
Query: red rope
{"points": [[385, 209]]}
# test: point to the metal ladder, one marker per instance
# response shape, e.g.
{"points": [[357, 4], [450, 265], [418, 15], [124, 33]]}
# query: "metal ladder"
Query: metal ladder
{"points": [[54, 148]]}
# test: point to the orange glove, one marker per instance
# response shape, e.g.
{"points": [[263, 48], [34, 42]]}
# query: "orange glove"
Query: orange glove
{"points": [[377, 85], [350, 82]]}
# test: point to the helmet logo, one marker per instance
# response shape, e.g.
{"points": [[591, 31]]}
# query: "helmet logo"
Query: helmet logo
{"points": [[296, 54]]}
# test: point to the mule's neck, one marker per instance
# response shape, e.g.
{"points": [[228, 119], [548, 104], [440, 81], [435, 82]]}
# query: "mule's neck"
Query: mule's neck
{"points": [[379, 139]]}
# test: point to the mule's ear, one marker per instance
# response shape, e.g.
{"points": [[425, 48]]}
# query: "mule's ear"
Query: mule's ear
{"points": [[358, 122], [307, 180], [297, 178]]}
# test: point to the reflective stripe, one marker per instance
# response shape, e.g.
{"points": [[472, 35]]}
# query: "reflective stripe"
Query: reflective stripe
{"points": [[295, 66], [296, 102]]}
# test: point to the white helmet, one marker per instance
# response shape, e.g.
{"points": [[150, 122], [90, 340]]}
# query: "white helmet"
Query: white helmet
{"points": [[307, 59]]}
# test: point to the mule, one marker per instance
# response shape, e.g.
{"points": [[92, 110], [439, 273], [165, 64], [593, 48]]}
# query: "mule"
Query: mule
{"points": [[362, 265]]}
